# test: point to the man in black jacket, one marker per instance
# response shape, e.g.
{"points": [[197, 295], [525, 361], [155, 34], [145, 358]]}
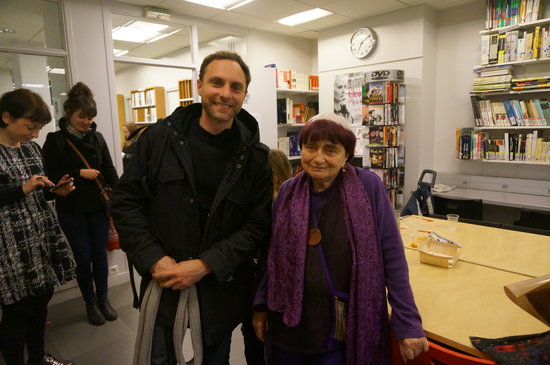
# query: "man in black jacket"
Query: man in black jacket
{"points": [[193, 208]]}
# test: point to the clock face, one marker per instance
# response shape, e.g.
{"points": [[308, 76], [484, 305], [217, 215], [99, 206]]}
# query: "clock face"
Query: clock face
{"points": [[362, 42]]}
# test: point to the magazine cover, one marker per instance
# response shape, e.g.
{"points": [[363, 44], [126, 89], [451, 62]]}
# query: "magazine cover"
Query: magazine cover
{"points": [[348, 96]]}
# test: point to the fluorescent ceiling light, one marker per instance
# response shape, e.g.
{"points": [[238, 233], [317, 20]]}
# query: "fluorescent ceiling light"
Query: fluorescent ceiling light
{"points": [[138, 31], [162, 35], [119, 52], [33, 85], [58, 71], [304, 17], [221, 4]]}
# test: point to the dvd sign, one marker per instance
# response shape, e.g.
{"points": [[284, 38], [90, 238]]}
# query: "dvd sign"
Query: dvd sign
{"points": [[385, 75]]}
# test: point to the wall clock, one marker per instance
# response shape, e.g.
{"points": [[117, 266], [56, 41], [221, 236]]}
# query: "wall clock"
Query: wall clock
{"points": [[362, 42]]}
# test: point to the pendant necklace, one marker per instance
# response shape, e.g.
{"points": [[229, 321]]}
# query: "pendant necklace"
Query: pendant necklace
{"points": [[314, 234]]}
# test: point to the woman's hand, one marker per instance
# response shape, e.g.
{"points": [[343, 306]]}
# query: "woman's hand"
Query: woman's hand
{"points": [[260, 323], [64, 186], [89, 174], [36, 182], [411, 348]]}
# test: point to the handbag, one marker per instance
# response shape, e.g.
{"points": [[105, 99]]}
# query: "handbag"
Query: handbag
{"points": [[112, 240], [105, 190]]}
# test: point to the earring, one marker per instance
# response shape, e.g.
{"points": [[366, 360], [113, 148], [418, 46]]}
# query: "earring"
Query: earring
{"points": [[343, 169]]}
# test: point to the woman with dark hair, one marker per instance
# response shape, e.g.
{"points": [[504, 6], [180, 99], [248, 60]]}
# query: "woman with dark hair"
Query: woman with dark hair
{"points": [[280, 167], [34, 257], [82, 215], [335, 250]]}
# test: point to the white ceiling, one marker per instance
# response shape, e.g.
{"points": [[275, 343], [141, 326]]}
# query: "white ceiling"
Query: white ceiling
{"points": [[262, 14], [258, 14]]}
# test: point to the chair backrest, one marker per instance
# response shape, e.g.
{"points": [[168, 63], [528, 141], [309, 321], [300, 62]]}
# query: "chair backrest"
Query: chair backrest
{"points": [[437, 355], [465, 208], [534, 219]]}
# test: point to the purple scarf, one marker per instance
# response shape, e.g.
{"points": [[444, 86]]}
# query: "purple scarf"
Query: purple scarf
{"points": [[286, 262]]}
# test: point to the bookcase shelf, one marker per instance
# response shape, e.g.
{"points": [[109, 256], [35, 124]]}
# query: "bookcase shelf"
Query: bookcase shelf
{"points": [[511, 126], [148, 104], [511, 92], [185, 92], [514, 127], [294, 108], [522, 62], [526, 25]]}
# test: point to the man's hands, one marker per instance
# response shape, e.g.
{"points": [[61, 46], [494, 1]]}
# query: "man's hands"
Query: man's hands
{"points": [[411, 348], [260, 323], [178, 276]]}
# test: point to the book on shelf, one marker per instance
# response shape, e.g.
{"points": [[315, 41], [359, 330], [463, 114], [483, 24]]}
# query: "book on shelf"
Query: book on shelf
{"points": [[505, 13], [293, 147], [510, 112], [485, 41], [292, 80], [493, 48], [283, 143]]}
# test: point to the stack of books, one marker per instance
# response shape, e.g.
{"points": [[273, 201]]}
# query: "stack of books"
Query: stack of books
{"points": [[494, 78], [531, 83]]}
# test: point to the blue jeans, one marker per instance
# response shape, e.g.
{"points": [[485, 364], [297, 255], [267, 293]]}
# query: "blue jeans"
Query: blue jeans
{"points": [[87, 235]]}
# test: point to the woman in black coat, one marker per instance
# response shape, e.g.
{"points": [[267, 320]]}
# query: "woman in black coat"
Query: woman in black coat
{"points": [[82, 215]]}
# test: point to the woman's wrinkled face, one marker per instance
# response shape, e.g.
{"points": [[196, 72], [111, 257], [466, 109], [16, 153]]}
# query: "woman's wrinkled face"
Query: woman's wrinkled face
{"points": [[79, 122], [322, 161]]}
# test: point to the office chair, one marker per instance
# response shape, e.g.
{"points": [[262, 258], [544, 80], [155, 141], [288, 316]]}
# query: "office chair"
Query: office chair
{"points": [[436, 355], [534, 219], [465, 208]]}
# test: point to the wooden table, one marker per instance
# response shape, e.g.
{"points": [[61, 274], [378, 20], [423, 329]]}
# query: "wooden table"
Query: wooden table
{"points": [[469, 299], [518, 252]]}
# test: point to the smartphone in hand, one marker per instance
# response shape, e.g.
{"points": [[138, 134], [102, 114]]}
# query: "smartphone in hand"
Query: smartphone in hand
{"points": [[54, 188]]}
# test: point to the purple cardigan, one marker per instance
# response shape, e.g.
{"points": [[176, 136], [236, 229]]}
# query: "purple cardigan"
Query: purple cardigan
{"points": [[405, 319]]}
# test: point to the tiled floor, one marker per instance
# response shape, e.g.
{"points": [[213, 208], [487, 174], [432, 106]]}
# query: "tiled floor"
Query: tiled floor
{"points": [[70, 336]]}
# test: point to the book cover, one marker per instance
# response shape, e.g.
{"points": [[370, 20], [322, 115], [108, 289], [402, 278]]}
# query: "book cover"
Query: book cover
{"points": [[528, 45], [493, 48], [485, 39], [538, 106], [510, 112], [545, 107], [501, 47], [521, 46], [293, 147]]}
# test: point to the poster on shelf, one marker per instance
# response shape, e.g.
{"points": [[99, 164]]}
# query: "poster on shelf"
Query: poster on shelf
{"points": [[348, 96]]}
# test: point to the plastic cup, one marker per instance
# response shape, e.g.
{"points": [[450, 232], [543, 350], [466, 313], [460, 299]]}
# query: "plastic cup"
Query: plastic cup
{"points": [[452, 217]]}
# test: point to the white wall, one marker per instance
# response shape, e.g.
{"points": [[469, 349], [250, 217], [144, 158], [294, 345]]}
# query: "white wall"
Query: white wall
{"points": [[406, 41], [287, 53]]}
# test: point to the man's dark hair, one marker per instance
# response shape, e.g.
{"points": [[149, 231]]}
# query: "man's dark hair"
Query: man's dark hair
{"points": [[225, 55]]}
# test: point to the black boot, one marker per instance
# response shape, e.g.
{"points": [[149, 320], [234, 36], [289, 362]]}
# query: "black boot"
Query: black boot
{"points": [[95, 316], [108, 311]]}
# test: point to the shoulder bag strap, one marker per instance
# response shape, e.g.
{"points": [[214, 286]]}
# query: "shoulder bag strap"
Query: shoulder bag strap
{"points": [[100, 186]]}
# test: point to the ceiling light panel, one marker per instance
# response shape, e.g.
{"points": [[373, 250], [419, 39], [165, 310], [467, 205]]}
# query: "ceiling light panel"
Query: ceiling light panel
{"points": [[304, 17]]}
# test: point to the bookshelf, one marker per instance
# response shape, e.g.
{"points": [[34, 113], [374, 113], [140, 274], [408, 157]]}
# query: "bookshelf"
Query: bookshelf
{"points": [[297, 101], [383, 119], [510, 104], [148, 104], [185, 91]]}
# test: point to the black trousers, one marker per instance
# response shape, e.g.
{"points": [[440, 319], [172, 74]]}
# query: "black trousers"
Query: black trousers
{"points": [[24, 323]]}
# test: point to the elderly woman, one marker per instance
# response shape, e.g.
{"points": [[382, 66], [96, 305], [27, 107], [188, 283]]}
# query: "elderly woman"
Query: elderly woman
{"points": [[335, 249]]}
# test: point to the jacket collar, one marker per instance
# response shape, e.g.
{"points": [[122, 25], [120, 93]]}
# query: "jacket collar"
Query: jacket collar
{"points": [[181, 119]]}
